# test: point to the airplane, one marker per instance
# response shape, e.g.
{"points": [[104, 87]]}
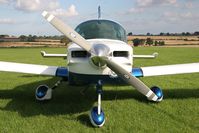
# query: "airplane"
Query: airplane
{"points": [[98, 54]]}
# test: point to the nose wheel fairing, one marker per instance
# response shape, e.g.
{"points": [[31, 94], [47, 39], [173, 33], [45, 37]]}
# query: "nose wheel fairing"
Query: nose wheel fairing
{"points": [[96, 119], [43, 92]]}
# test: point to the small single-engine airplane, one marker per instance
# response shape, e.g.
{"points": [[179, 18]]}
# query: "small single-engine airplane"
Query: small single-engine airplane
{"points": [[98, 55]]}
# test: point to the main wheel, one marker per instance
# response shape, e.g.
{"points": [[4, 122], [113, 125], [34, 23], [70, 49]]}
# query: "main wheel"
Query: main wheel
{"points": [[96, 119], [43, 92], [158, 93]]}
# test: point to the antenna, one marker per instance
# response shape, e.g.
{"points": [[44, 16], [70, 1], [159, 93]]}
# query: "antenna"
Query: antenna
{"points": [[99, 12]]}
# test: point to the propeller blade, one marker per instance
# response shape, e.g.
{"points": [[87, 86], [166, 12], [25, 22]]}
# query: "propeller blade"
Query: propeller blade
{"points": [[67, 31], [135, 82]]}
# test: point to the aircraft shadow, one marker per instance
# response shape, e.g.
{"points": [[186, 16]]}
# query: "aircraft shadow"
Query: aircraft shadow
{"points": [[68, 99]]}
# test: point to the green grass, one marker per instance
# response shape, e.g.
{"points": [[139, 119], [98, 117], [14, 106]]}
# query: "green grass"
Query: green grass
{"points": [[126, 110]]}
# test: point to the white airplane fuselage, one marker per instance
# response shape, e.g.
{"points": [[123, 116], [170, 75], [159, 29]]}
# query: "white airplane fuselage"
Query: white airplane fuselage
{"points": [[82, 71]]}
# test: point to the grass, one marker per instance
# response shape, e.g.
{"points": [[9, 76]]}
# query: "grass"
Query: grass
{"points": [[126, 110]]}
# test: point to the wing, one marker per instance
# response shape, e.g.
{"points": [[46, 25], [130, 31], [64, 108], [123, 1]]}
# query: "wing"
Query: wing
{"points": [[166, 70], [33, 69]]}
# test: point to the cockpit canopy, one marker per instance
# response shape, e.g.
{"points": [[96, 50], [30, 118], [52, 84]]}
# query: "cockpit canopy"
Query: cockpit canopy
{"points": [[101, 29]]}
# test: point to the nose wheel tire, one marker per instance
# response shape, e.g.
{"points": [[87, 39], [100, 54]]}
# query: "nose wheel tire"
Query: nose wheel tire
{"points": [[96, 119], [158, 93]]}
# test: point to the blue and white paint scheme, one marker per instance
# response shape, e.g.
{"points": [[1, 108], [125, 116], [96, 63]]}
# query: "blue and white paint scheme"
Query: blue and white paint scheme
{"points": [[98, 54]]}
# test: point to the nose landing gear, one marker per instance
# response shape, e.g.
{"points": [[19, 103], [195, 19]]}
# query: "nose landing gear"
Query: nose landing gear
{"points": [[96, 115]]}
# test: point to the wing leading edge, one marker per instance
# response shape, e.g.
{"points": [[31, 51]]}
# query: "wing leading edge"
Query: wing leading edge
{"points": [[34, 69], [166, 70]]}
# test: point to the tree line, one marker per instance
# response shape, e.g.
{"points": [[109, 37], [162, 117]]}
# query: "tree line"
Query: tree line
{"points": [[196, 33], [34, 38], [148, 41]]}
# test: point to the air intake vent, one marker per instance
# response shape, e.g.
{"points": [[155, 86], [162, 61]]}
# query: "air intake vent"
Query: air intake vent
{"points": [[120, 53], [79, 54]]}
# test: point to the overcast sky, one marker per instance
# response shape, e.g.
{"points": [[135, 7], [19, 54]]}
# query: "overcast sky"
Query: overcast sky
{"points": [[138, 16]]}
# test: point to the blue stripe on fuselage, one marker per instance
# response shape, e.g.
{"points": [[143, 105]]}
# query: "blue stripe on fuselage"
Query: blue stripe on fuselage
{"points": [[62, 72], [137, 72], [78, 79]]}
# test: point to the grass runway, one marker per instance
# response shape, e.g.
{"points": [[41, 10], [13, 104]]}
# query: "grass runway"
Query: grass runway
{"points": [[126, 110]]}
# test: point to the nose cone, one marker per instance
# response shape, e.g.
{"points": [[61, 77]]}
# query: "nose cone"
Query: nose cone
{"points": [[99, 51]]}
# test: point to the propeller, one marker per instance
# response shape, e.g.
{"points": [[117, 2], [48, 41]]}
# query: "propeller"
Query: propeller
{"points": [[99, 56]]}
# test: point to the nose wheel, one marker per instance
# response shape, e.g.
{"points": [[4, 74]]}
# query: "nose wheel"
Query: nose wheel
{"points": [[96, 119], [96, 115], [158, 92]]}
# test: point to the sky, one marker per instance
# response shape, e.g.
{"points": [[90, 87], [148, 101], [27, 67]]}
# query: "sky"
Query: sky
{"points": [[19, 17]]}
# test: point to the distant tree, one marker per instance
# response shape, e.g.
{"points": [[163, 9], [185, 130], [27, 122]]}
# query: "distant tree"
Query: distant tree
{"points": [[130, 34], [137, 42], [168, 34], [40, 37], [3, 36], [142, 41], [196, 33], [65, 40], [161, 34], [188, 34], [161, 43], [23, 38], [148, 34], [149, 41], [183, 33], [29, 38], [34, 37], [156, 43]]}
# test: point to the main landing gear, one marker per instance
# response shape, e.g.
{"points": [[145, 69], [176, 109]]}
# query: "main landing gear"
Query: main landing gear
{"points": [[96, 115], [43, 92]]}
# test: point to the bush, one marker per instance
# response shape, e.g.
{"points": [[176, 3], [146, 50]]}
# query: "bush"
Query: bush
{"points": [[65, 40], [161, 43], [137, 42], [149, 41]]}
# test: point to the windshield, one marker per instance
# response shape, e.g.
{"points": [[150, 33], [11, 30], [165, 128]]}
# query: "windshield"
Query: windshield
{"points": [[106, 29]]}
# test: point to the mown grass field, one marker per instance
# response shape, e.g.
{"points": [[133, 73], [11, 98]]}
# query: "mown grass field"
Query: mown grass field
{"points": [[126, 110]]}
